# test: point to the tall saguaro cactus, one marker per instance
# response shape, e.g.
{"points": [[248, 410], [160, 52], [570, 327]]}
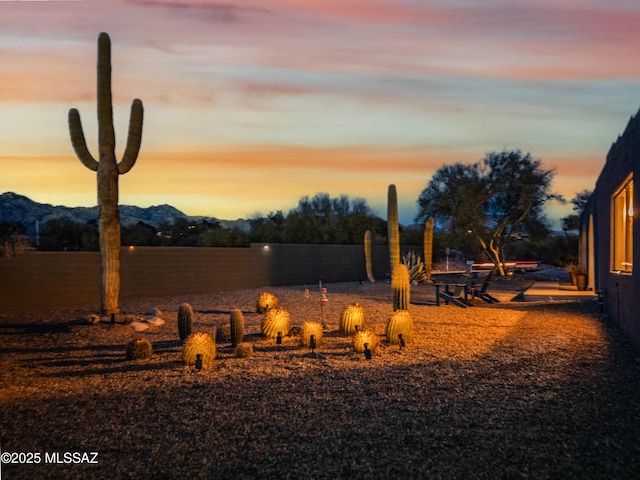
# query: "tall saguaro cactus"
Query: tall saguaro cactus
{"points": [[393, 232], [108, 170], [428, 248], [367, 256]]}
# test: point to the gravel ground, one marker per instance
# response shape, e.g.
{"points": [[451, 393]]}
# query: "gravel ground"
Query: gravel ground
{"points": [[507, 391]]}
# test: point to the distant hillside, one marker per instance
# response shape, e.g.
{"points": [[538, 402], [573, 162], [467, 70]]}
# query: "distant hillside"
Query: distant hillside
{"points": [[18, 208]]}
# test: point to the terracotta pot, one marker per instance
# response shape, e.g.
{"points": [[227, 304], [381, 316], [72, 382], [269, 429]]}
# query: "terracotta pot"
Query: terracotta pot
{"points": [[581, 282]]}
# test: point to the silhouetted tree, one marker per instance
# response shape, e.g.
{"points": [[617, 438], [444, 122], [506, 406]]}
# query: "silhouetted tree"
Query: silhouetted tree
{"points": [[493, 201], [579, 201], [64, 235], [141, 234], [13, 238]]}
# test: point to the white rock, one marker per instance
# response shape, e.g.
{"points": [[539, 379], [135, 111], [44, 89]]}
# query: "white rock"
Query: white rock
{"points": [[139, 326]]}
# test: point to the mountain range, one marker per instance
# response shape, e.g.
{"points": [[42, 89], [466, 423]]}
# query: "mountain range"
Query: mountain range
{"points": [[18, 208]]}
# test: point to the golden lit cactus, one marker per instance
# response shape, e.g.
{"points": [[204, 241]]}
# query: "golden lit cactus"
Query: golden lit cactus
{"points": [[139, 349], [185, 319], [367, 337], [108, 170], [367, 256], [351, 319], [275, 320], [243, 350], [237, 327], [393, 230], [401, 287], [400, 323], [309, 329], [266, 301], [202, 344], [428, 248]]}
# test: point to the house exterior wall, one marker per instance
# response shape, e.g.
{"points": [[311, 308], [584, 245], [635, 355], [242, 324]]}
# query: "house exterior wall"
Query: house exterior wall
{"points": [[40, 280], [620, 291]]}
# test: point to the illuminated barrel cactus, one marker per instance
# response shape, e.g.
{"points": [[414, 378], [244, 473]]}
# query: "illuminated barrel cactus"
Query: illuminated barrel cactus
{"points": [[351, 319], [185, 318], [365, 337], [400, 323], [309, 329], [202, 344], [139, 349], [266, 301], [275, 320]]}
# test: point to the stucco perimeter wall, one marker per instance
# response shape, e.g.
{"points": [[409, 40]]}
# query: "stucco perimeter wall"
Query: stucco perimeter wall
{"points": [[39, 280]]}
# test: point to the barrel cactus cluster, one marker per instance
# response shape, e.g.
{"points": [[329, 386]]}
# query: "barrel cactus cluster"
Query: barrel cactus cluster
{"points": [[199, 346], [139, 349], [400, 327], [276, 321], [266, 301], [351, 320], [365, 339], [311, 329]]}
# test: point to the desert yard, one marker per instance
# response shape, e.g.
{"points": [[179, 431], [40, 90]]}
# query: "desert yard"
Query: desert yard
{"points": [[540, 390]]}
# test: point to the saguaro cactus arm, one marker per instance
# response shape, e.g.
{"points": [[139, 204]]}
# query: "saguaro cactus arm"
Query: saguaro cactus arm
{"points": [[78, 141], [134, 139]]}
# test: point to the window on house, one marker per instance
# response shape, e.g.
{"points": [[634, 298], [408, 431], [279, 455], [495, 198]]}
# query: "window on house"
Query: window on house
{"points": [[622, 252]]}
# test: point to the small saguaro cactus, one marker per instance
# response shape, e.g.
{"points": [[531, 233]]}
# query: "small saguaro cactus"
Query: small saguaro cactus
{"points": [[310, 329], [185, 318], [400, 323], [351, 319], [365, 337], [139, 349], [367, 256], [275, 320], [108, 171], [428, 248], [266, 301], [393, 231], [202, 344], [237, 327], [401, 287]]}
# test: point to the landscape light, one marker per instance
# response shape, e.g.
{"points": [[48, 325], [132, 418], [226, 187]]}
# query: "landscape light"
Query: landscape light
{"points": [[279, 339], [367, 352], [199, 361]]}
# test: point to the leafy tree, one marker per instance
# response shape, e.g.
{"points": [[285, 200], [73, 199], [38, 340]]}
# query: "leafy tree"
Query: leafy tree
{"points": [[318, 219], [322, 219], [579, 201], [492, 201], [269, 229]]}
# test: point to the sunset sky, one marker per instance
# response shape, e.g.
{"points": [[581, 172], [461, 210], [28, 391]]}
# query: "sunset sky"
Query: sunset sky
{"points": [[251, 104]]}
